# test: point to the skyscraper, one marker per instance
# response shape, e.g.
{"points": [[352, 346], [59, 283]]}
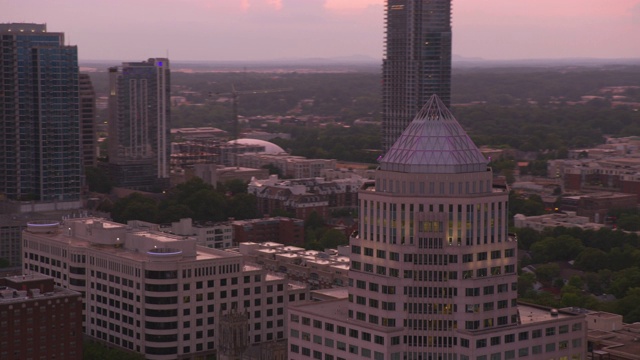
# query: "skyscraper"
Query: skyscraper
{"points": [[416, 63], [88, 121], [433, 269], [139, 124], [39, 115]]}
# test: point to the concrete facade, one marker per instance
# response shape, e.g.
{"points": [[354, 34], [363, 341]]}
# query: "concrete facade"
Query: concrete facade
{"points": [[155, 293], [433, 268]]}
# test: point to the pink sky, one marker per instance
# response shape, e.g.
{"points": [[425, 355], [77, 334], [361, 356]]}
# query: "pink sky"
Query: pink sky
{"points": [[284, 29]]}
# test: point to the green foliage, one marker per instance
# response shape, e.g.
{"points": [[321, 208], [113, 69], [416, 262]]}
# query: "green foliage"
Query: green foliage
{"points": [[95, 351], [530, 206], [356, 143], [98, 180], [562, 248], [547, 272], [525, 283], [609, 258], [526, 237], [194, 198]]}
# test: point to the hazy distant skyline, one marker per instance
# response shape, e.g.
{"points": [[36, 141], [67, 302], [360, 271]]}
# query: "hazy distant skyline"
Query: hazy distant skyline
{"points": [[250, 30]]}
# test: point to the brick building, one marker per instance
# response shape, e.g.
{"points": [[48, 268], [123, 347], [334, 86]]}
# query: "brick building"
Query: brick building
{"points": [[39, 320]]}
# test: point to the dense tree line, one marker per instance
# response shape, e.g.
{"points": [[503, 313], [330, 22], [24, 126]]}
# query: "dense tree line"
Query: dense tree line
{"points": [[609, 261], [193, 199]]}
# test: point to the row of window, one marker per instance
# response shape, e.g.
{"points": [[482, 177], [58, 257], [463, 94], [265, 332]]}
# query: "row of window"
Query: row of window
{"points": [[526, 335]]}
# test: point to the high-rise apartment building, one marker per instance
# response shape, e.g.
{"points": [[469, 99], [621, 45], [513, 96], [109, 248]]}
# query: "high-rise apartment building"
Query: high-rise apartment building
{"points": [[40, 156], [433, 269], [139, 124], [88, 121], [416, 63], [160, 294]]}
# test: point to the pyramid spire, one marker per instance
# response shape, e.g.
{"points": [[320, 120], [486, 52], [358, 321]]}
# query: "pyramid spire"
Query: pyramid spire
{"points": [[434, 142]]}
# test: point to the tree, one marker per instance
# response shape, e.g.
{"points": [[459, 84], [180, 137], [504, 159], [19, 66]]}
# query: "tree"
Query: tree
{"points": [[98, 180], [547, 272], [135, 207], [332, 238], [525, 283]]}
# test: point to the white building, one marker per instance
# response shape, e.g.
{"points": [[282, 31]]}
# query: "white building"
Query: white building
{"points": [[155, 293]]}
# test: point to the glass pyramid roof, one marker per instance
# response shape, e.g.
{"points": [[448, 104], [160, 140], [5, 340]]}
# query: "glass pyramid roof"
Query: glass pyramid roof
{"points": [[434, 143]]}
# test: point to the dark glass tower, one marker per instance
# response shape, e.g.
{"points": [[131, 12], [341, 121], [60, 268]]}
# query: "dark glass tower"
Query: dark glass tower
{"points": [[40, 157], [417, 61]]}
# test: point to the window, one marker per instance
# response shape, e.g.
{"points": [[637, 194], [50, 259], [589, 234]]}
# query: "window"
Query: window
{"points": [[509, 253], [488, 290], [522, 352], [537, 349], [481, 343], [509, 338], [523, 336], [342, 330], [368, 267], [355, 249], [495, 340], [328, 326], [496, 254], [328, 342], [368, 251], [563, 329], [381, 254], [536, 334], [550, 331], [464, 342], [467, 258], [482, 256]]}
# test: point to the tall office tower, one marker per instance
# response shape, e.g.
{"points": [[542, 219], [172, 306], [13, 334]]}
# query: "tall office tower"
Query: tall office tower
{"points": [[139, 124], [433, 269], [88, 121], [417, 61], [39, 116]]}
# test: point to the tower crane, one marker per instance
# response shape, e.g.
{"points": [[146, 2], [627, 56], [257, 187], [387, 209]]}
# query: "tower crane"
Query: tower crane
{"points": [[235, 94]]}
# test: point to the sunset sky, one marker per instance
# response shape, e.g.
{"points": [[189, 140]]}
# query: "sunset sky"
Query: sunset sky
{"points": [[287, 29]]}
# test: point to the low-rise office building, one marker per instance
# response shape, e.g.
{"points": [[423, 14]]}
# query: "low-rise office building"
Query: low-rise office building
{"points": [[156, 293]]}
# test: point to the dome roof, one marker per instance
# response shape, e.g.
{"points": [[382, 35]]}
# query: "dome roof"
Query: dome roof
{"points": [[269, 147]]}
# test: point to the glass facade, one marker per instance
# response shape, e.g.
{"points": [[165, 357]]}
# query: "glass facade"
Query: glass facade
{"points": [[417, 61], [40, 154]]}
